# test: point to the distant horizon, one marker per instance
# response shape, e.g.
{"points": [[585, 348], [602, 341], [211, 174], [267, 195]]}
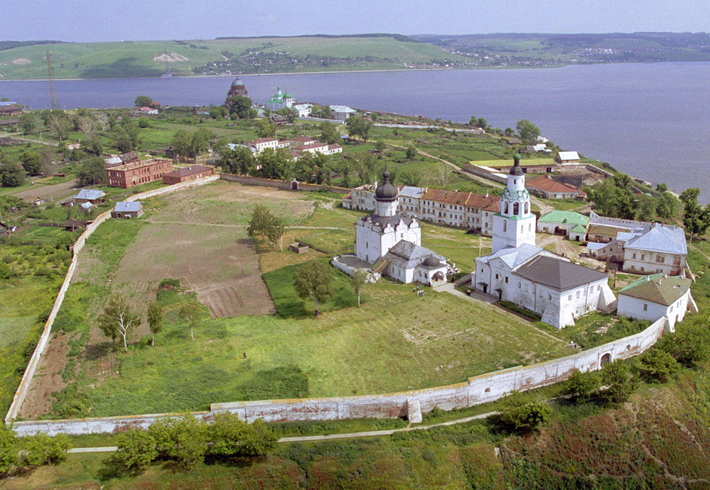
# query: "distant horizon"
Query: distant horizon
{"points": [[382, 34]]}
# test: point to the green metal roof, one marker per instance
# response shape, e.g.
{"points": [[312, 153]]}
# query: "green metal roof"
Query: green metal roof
{"points": [[564, 217], [578, 229], [658, 288]]}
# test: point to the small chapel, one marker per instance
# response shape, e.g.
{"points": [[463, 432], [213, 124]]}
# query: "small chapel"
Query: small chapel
{"points": [[391, 241], [529, 276]]}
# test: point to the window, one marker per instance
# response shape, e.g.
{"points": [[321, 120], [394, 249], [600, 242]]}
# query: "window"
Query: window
{"points": [[520, 285], [599, 288], [506, 280], [516, 208], [505, 226], [569, 298], [577, 294], [645, 307], [530, 227], [549, 297], [634, 256], [496, 274]]}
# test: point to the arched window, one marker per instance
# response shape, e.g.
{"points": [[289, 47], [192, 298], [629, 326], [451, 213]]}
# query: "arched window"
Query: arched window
{"points": [[505, 226], [516, 208], [505, 208], [527, 207]]}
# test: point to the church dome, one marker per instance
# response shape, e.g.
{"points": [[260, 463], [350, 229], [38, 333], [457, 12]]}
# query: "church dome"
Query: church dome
{"points": [[516, 169], [386, 191], [237, 83], [432, 261]]}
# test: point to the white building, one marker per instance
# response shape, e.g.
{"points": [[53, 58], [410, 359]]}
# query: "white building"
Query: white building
{"points": [[279, 101], [656, 296], [653, 249], [304, 110], [377, 233], [514, 224], [531, 277], [567, 158], [262, 144], [341, 112]]}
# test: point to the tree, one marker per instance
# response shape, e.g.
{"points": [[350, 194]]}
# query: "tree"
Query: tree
{"points": [[91, 172], [521, 415], [183, 439], [58, 123], [443, 174], [232, 437], [380, 146], [509, 131], [93, 145], [136, 448], [265, 224], [313, 280], [581, 385], [8, 449], [483, 124], [118, 320], [412, 178], [411, 152], [239, 106], [659, 365], [43, 449], [30, 162], [689, 345], [155, 320], [667, 205], [12, 174], [181, 143], [646, 208], [329, 133], [662, 187], [619, 381], [473, 121], [357, 126], [143, 101], [190, 312], [143, 122], [218, 112], [696, 219], [27, 123], [359, 279], [266, 128], [527, 131]]}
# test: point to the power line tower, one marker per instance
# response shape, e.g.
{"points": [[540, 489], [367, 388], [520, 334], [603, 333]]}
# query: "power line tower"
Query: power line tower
{"points": [[52, 84]]}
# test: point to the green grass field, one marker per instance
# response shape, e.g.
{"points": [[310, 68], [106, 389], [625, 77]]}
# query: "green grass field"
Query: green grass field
{"points": [[142, 59]]}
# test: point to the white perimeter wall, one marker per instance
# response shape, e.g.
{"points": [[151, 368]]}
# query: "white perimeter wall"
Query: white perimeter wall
{"points": [[474, 391]]}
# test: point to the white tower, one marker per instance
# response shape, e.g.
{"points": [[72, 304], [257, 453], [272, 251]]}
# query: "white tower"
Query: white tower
{"points": [[514, 225]]}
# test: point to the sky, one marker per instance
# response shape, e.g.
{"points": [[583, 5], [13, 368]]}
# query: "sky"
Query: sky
{"points": [[138, 20]]}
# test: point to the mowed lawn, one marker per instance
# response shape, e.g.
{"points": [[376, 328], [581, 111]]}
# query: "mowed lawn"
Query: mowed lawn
{"points": [[395, 341]]}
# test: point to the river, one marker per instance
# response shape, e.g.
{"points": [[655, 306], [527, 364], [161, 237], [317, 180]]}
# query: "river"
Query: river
{"points": [[649, 120]]}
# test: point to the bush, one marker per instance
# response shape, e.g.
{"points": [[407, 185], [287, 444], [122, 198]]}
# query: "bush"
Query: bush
{"points": [[232, 437], [168, 283], [581, 385], [521, 415], [689, 345], [8, 449], [43, 449], [659, 365], [136, 449], [619, 381], [183, 439]]}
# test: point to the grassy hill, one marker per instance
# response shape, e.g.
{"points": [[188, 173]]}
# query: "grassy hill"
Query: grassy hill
{"points": [[243, 55]]}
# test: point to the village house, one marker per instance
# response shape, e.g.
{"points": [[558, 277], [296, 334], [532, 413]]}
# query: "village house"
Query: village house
{"points": [[91, 196], [262, 144], [573, 225], [361, 198], [530, 277], [304, 110], [657, 296], [10, 110], [652, 249], [187, 174], [546, 187], [138, 172], [144, 111], [8, 123], [567, 157], [127, 210]]}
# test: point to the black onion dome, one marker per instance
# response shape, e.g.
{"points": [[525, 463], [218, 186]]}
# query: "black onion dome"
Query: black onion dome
{"points": [[386, 191], [432, 261], [516, 169]]}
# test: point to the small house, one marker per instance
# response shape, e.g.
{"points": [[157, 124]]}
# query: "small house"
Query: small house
{"points": [[567, 157], [91, 196], [655, 296], [127, 210]]}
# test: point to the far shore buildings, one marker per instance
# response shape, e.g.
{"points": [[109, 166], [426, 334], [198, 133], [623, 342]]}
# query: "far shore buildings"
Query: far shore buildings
{"points": [[530, 277], [391, 242]]}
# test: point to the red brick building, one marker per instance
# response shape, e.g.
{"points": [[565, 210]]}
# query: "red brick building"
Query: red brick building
{"points": [[186, 174], [138, 172]]}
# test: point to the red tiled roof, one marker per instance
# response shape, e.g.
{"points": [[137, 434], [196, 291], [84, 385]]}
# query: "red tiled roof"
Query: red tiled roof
{"points": [[262, 140], [546, 184], [184, 172]]}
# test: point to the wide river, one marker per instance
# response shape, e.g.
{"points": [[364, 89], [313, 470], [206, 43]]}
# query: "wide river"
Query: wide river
{"points": [[649, 120]]}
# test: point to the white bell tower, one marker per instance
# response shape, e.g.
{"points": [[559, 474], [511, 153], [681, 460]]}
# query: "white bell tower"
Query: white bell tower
{"points": [[514, 224]]}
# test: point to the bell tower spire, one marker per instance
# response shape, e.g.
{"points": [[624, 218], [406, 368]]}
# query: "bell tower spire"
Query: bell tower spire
{"points": [[514, 224]]}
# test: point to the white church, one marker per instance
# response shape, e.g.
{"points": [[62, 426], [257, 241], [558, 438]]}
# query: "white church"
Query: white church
{"points": [[520, 272], [391, 242]]}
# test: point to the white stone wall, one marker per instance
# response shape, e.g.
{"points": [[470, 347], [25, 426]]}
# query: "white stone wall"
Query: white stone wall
{"points": [[644, 262], [476, 390], [512, 232]]}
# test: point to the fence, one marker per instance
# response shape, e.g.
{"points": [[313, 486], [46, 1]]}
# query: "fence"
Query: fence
{"points": [[21, 392], [411, 404]]}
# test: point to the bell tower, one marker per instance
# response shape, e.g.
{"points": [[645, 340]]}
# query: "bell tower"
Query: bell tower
{"points": [[514, 224]]}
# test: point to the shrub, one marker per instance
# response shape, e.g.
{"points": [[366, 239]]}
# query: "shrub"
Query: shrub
{"points": [[8, 449], [168, 283], [689, 345], [659, 365], [581, 385], [521, 415], [183, 439], [233, 437], [43, 449], [136, 449], [619, 381]]}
